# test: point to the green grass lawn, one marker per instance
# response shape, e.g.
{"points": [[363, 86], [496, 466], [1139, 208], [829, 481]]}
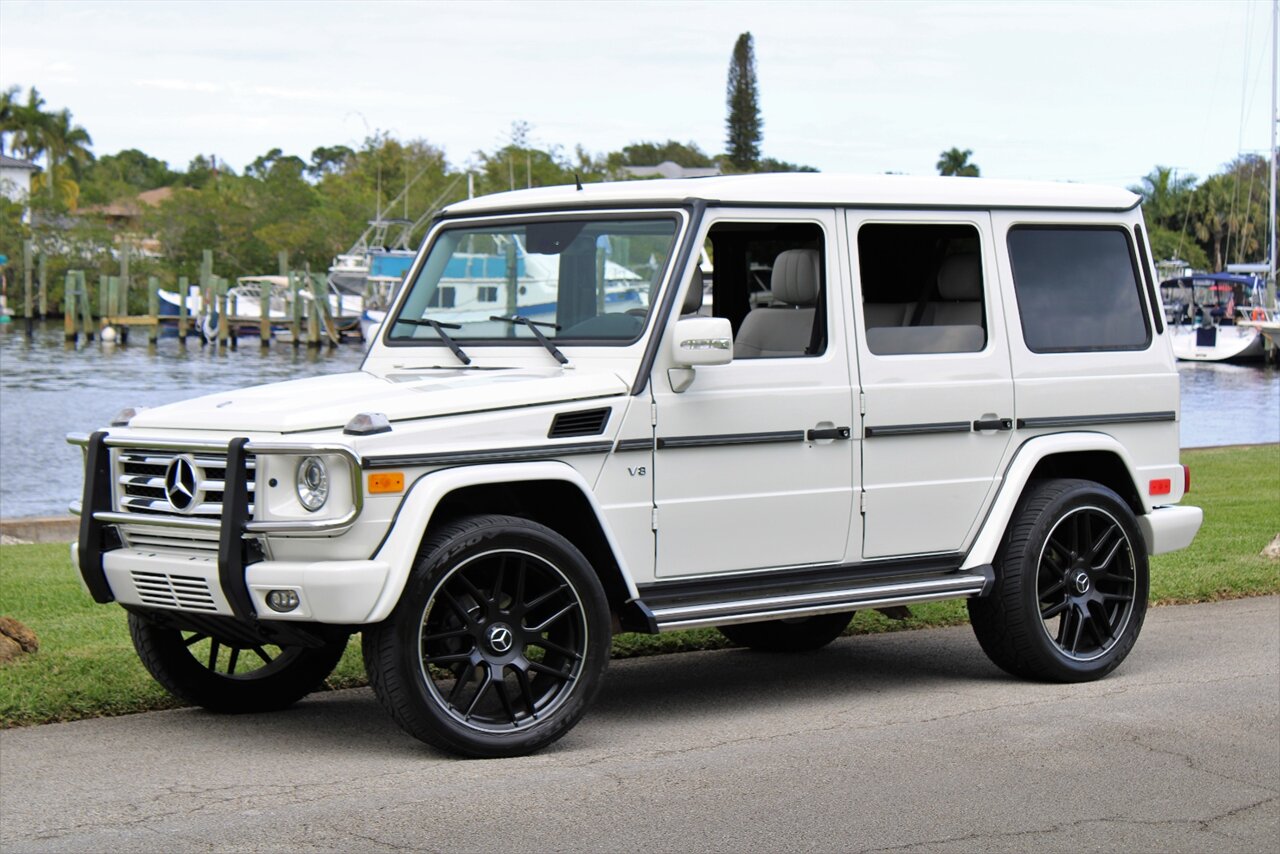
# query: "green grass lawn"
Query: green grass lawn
{"points": [[86, 665]]}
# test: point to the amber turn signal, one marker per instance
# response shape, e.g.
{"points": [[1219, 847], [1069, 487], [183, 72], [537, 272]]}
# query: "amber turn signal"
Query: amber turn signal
{"points": [[386, 482]]}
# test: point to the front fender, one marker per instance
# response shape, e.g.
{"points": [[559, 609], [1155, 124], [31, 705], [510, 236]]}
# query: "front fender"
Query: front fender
{"points": [[1025, 459], [400, 548]]}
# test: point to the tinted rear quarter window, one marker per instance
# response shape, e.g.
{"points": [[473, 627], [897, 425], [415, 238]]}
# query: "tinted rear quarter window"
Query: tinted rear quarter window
{"points": [[1077, 289]]}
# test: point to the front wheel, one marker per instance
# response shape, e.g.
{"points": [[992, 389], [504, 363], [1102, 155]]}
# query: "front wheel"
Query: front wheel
{"points": [[230, 676], [1071, 585], [499, 642]]}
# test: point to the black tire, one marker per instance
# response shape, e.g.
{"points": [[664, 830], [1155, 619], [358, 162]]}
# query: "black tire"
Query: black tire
{"points": [[229, 677], [799, 635], [499, 642], [1071, 585]]}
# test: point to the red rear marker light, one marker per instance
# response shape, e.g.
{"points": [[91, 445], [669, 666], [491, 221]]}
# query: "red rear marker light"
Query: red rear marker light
{"points": [[1160, 486], [1186, 479]]}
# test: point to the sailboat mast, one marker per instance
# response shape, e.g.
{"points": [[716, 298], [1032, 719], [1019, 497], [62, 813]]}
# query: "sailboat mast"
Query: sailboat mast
{"points": [[1275, 117]]}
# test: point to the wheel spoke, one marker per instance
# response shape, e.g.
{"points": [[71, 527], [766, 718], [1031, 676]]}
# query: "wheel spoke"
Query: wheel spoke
{"points": [[1054, 610], [1111, 555], [543, 598], [552, 646], [459, 682], [452, 633], [526, 691], [1080, 620], [195, 639], [500, 686], [539, 667], [262, 653], [462, 612], [542, 627], [498, 578], [447, 659], [214, 646], [474, 592], [480, 692], [1046, 594], [517, 600], [231, 664], [1111, 576], [1098, 634], [1116, 597], [1064, 626]]}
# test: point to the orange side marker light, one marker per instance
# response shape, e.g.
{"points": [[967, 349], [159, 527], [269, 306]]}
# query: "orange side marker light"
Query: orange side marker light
{"points": [[387, 482]]}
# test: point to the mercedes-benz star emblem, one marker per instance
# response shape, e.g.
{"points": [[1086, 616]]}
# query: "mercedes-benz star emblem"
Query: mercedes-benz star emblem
{"points": [[1082, 582], [181, 484], [500, 638]]}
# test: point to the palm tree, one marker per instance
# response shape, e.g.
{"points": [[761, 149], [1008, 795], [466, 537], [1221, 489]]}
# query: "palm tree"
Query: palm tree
{"points": [[956, 162], [27, 126], [9, 107], [1165, 196]]}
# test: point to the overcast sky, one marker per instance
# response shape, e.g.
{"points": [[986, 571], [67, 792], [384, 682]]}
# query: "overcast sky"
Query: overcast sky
{"points": [[1080, 91]]}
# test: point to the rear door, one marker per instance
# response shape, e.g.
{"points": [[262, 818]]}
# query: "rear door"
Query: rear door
{"points": [[936, 385]]}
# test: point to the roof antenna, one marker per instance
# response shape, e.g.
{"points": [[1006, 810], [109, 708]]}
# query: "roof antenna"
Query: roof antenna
{"points": [[577, 181]]}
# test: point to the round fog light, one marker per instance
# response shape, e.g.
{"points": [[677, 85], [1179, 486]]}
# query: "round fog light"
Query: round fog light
{"points": [[282, 600]]}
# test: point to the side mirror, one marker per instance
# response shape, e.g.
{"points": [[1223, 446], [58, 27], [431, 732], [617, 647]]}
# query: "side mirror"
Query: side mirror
{"points": [[699, 341]]}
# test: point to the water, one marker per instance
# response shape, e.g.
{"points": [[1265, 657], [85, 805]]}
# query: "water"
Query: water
{"points": [[48, 391]]}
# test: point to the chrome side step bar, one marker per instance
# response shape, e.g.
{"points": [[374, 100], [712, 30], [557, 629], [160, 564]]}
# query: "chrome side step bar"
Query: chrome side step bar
{"points": [[778, 607]]}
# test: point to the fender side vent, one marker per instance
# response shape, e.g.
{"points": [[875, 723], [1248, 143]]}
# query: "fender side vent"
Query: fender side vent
{"points": [[587, 422]]}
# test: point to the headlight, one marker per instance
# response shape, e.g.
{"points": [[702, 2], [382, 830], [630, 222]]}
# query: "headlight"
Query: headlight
{"points": [[313, 483]]}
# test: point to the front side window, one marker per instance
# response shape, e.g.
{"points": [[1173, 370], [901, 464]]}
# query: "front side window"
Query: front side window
{"points": [[1077, 289], [582, 279]]}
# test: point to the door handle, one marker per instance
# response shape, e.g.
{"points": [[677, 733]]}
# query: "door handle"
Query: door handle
{"points": [[993, 424], [828, 433]]}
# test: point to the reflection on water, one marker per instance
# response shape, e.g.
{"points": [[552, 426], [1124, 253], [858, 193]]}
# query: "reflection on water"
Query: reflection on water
{"points": [[47, 391]]}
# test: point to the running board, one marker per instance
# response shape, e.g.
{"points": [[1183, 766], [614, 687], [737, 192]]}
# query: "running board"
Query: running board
{"points": [[955, 585]]}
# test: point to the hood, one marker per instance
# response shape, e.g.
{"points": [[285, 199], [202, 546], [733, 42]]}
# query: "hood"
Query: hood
{"points": [[320, 403]]}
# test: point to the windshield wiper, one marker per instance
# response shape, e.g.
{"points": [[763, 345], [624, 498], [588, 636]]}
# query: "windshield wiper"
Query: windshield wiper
{"points": [[440, 330], [542, 339]]}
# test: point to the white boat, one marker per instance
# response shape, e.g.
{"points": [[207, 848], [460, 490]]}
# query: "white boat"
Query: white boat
{"points": [[1265, 320], [1201, 311], [245, 302]]}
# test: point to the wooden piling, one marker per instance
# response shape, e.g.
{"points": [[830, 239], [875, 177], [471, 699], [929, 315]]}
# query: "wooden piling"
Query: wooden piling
{"points": [[153, 309], [264, 315], [86, 313], [26, 286], [44, 285], [184, 288], [69, 307], [295, 305], [104, 299], [224, 321]]}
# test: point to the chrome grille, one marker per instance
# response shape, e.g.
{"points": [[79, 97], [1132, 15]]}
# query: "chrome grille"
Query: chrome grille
{"points": [[173, 591], [141, 483]]}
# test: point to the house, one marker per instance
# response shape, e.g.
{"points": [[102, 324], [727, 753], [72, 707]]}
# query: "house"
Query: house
{"points": [[15, 178], [668, 169]]}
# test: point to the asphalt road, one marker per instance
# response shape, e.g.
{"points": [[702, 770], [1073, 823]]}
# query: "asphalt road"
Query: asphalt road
{"points": [[904, 742]]}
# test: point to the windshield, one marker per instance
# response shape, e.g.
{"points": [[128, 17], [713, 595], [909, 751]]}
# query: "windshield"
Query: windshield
{"points": [[588, 280]]}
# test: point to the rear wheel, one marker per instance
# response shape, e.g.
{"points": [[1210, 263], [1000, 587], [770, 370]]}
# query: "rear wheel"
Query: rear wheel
{"points": [[227, 676], [1071, 585], [499, 642], [796, 635]]}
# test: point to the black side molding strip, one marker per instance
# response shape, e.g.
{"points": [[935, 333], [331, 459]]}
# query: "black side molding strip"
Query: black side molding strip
{"points": [[917, 429], [496, 455], [97, 499], [730, 439], [1087, 420], [625, 445]]}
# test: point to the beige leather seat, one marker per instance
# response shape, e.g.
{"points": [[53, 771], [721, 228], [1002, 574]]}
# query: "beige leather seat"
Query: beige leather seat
{"points": [[784, 330], [959, 300]]}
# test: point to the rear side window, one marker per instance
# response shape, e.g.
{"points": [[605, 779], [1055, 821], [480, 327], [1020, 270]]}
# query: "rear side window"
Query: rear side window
{"points": [[1077, 289]]}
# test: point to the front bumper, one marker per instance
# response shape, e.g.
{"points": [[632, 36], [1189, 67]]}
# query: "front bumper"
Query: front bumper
{"points": [[1169, 528], [339, 591], [231, 581]]}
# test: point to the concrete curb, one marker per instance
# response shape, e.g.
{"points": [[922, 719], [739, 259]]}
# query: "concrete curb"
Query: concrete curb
{"points": [[44, 529]]}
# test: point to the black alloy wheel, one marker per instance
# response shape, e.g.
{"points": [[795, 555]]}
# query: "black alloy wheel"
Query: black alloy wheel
{"points": [[229, 676], [1071, 585], [499, 641]]}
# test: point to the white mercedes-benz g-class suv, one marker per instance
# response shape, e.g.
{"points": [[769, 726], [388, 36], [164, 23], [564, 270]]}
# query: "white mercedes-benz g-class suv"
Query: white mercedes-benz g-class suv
{"points": [[889, 390]]}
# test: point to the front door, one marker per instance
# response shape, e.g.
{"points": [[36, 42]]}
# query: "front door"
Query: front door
{"points": [[754, 465]]}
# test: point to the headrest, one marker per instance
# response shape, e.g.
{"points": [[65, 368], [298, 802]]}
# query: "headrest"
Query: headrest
{"points": [[960, 278], [795, 277], [693, 296]]}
